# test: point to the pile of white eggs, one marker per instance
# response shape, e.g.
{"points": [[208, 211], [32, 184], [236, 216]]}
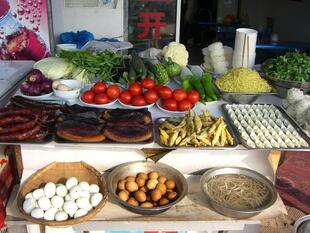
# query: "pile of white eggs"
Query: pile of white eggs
{"points": [[59, 202]]}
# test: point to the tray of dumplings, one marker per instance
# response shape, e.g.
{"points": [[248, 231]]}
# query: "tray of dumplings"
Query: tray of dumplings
{"points": [[265, 126]]}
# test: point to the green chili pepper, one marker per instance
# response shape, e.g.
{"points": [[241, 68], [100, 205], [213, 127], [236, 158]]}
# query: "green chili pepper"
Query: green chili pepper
{"points": [[195, 82], [207, 85], [186, 85]]}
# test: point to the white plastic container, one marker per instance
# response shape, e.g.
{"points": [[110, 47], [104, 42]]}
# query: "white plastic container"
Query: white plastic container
{"points": [[241, 43]]}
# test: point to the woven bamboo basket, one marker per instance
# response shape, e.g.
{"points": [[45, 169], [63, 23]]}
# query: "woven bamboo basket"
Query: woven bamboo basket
{"points": [[58, 173]]}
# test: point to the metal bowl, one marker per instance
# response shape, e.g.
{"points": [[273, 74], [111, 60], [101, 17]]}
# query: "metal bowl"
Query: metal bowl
{"points": [[242, 98], [283, 86], [231, 212], [132, 168]]}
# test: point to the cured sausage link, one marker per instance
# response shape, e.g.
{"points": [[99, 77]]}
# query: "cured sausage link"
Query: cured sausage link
{"points": [[21, 136], [24, 102], [19, 127], [18, 111], [13, 120]]}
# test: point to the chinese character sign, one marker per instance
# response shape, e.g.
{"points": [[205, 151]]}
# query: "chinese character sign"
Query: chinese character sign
{"points": [[152, 23], [24, 33]]}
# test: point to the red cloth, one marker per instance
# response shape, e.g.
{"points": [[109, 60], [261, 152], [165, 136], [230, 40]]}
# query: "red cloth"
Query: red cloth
{"points": [[293, 180]]}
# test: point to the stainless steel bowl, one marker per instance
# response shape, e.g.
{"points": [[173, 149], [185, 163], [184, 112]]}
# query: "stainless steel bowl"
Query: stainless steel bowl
{"points": [[242, 98], [237, 213], [132, 168]]}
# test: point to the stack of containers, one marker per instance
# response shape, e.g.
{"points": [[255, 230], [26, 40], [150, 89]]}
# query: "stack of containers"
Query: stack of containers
{"points": [[245, 45], [217, 58]]}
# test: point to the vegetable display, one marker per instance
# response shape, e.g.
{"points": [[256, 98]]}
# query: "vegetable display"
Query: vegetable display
{"points": [[106, 65], [294, 66], [36, 84], [195, 130], [243, 80]]}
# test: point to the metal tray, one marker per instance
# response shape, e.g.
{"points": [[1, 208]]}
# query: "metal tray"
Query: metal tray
{"points": [[298, 129], [158, 141], [242, 98]]}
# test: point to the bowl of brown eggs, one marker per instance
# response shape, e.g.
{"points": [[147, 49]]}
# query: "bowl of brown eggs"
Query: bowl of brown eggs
{"points": [[145, 187]]}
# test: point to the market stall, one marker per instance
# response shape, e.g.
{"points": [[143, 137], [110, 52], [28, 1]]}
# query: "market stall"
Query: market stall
{"points": [[105, 109]]}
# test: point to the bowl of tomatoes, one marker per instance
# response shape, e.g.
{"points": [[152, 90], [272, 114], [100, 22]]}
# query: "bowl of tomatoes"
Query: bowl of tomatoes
{"points": [[139, 95], [100, 95], [178, 101]]}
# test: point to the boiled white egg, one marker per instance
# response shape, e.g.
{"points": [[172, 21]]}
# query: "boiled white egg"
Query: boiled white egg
{"points": [[72, 181], [75, 192], [61, 216], [96, 199], [84, 186], [49, 215], [85, 193], [37, 213], [61, 190], [29, 204], [44, 203], [38, 193], [80, 213], [29, 195], [55, 84], [57, 201], [68, 198], [70, 207], [49, 189], [82, 202], [93, 188]]}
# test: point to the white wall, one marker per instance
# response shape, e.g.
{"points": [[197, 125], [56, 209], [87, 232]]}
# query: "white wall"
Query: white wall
{"points": [[101, 21], [291, 18]]}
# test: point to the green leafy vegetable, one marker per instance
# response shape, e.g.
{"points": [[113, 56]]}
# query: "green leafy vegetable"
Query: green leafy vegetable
{"points": [[294, 66]]}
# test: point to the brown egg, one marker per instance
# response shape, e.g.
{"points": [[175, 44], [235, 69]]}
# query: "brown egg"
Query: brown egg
{"points": [[162, 179], [131, 186], [130, 178], [156, 194], [142, 175], [133, 202], [153, 175], [121, 184], [172, 195], [147, 204], [162, 188], [140, 182], [140, 196], [163, 201], [151, 184], [170, 184], [144, 189], [169, 190], [123, 195]]}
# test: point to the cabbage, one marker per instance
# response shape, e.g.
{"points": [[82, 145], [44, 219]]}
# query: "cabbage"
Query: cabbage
{"points": [[54, 68], [84, 76]]}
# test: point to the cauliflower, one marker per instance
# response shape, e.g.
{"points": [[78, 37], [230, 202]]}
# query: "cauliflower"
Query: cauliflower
{"points": [[177, 52]]}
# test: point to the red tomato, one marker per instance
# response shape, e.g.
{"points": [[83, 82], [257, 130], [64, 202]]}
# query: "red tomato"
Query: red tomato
{"points": [[135, 89], [170, 104], [88, 97], [165, 92], [101, 98], [158, 86], [138, 101], [148, 83], [184, 105], [151, 96], [179, 94], [113, 92], [193, 96], [99, 87], [125, 97]]}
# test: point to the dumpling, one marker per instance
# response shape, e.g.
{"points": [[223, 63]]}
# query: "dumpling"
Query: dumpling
{"points": [[249, 129], [253, 136], [245, 136], [271, 123], [289, 143], [281, 143], [267, 144], [290, 128], [277, 128], [268, 136], [279, 122], [247, 117], [274, 143], [259, 144], [286, 122], [251, 123], [243, 123], [272, 116], [250, 143], [265, 122]]}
